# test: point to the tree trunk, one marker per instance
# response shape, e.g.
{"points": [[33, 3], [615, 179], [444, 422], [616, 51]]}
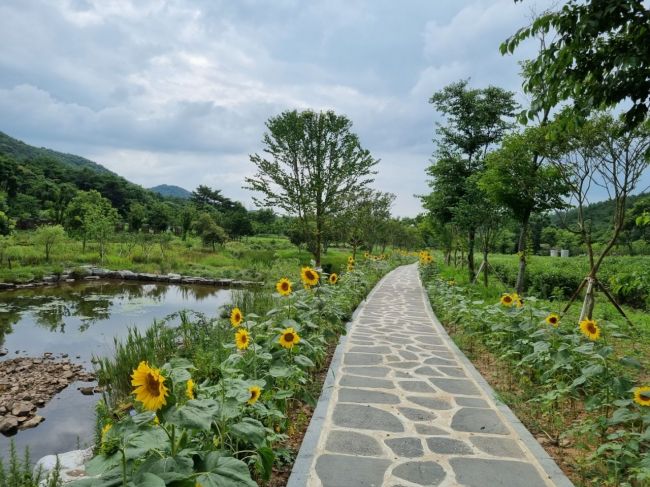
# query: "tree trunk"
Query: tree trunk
{"points": [[521, 251], [485, 266], [471, 238], [590, 300]]}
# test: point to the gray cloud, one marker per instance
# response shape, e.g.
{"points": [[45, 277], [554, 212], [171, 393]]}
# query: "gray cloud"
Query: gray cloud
{"points": [[177, 91]]}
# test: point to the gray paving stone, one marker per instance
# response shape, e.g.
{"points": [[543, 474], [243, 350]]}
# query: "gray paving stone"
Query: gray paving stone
{"points": [[362, 359], [363, 396], [408, 355], [416, 386], [430, 402], [353, 443], [448, 446], [403, 375], [472, 402], [404, 365], [429, 339], [420, 473], [427, 429], [356, 381], [405, 447], [477, 420], [417, 414], [365, 417], [456, 386], [439, 361], [476, 472], [427, 371], [498, 447], [371, 349], [452, 371], [367, 371], [341, 470]]}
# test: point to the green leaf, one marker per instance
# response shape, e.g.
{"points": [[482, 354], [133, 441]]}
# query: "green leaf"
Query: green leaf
{"points": [[631, 362], [249, 430], [304, 361], [150, 480], [279, 371], [266, 457], [283, 394], [225, 472], [198, 414]]}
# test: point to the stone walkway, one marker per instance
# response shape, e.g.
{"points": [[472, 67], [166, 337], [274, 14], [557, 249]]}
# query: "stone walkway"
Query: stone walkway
{"points": [[403, 407]]}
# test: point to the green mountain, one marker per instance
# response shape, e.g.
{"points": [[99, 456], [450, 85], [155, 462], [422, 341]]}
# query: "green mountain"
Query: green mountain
{"points": [[171, 191], [18, 150]]}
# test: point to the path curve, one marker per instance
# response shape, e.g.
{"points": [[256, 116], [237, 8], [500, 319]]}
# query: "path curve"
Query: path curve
{"points": [[403, 407]]}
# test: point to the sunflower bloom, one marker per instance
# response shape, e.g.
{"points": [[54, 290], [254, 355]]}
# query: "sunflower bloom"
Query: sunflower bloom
{"points": [[289, 338], [517, 300], [255, 393], [236, 317], [333, 279], [350, 259], [309, 276], [553, 319], [642, 395], [350, 266], [283, 287], [242, 339], [189, 389], [149, 387], [590, 329], [507, 300], [107, 427]]}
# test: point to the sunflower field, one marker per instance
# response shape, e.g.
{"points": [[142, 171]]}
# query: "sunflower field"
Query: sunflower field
{"points": [[579, 387], [219, 403]]}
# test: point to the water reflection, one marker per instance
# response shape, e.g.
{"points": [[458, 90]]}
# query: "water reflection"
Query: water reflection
{"points": [[81, 320]]}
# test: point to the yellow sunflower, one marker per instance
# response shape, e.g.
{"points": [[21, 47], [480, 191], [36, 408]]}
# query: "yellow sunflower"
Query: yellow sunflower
{"points": [[107, 427], [507, 300], [553, 319], [590, 329], [366, 254], [350, 259], [350, 267], [517, 300], [236, 317], [289, 338], [333, 279], [189, 389], [309, 276], [149, 387], [642, 395], [255, 392], [242, 339], [283, 287]]}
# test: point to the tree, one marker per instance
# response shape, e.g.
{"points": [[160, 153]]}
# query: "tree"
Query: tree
{"points": [[606, 152], [476, 119], [81, 210], [137, 216], [365, 219], [210, 233], [159, 216], [99, 224], [598, 59], [520, 178], [48, 236], [312, 162], [186, 218]]}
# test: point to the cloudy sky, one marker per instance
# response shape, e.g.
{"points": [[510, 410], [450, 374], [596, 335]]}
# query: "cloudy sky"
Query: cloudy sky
{"points": [[177, 91]]}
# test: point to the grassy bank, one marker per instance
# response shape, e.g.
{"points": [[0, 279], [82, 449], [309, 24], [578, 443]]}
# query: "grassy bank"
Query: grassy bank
{"points": [[574, 392], [252, 258]]}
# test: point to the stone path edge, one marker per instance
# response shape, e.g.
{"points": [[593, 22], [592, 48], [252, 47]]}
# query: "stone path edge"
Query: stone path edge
{"points": [[302, 465], [554, 473]]}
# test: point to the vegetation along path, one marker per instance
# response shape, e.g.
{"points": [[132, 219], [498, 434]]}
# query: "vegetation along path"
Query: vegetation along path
{"points": [[402, 406]]}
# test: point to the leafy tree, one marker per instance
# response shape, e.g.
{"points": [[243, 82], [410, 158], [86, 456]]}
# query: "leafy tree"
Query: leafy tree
{"points": [[82, 208], [99, 223], [238, 223], [159, 216], [137, 216], [211, 233], [598, 59], [366, 217], [312, 162], [186, 218], [48, 236], [476, 119], [518, 178]]}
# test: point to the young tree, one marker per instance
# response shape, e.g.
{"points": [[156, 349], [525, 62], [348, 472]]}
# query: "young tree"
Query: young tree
{"points": [[48, 236], [211, 233], [598, 59], [520, 178], [605, 152], [77, 220], [99, 223], [476, 119], [312, 162]]}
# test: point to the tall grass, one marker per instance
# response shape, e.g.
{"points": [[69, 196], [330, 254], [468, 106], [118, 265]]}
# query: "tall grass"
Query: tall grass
{"points": [[18, 472]]}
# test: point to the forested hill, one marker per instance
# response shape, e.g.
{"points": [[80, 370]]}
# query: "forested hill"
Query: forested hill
{"points": [[18, 150], [171, 191]]}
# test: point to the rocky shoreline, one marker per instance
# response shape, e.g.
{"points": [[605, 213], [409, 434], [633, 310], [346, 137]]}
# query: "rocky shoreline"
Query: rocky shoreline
{"points": [[29, 383], [90, 273]]}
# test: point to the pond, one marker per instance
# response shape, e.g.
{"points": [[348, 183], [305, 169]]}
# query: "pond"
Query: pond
{"points": [[79, 320]]}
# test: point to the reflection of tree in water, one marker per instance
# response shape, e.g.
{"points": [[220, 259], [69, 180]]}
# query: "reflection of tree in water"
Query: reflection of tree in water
{"points": [[8, 317], [198, 293]]}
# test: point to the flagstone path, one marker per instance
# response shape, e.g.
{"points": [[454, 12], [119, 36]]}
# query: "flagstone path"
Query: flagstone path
{"points": [[403, 407]]}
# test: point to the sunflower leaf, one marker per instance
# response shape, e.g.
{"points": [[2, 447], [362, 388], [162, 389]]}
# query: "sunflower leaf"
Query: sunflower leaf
{"points": [[225, 472], [249, 430], [197, 413]]}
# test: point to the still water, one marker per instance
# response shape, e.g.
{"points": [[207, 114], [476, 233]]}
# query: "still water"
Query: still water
{"points": [[81, 320]]}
